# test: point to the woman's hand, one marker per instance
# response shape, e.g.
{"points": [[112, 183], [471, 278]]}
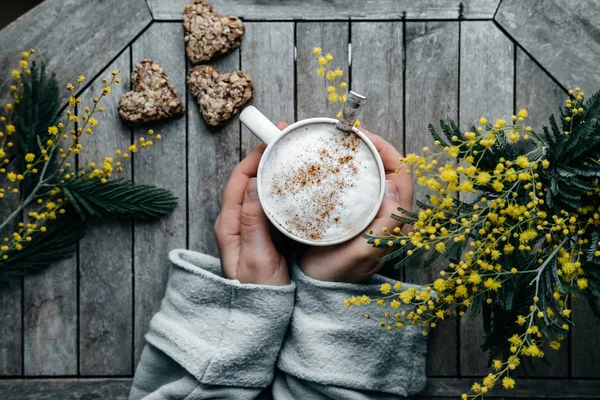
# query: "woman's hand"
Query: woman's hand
{"points": [[242, 230], [356, 260]]}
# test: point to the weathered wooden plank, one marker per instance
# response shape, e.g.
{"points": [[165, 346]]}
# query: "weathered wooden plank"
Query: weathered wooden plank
{"points": [[50, 316], [105, 256], [432, 398], [334, 9], [65, 389], [584, 341], [73, 37], [525, 389], [571, 63], [536, 92], [268, 56], [377, 73], [377, 65], [163, 165], [456, 397], [311, 92], [211, 155], [11, 324], [437, 388], [486, 66], [10, 328], [431, 95], [546, 30], [50, 311], [50, 319]]}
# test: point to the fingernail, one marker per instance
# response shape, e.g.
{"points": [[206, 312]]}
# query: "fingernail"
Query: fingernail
{"points": [[252, 188], [390, 190]]}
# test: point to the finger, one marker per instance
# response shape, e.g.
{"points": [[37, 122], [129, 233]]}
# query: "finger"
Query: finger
{"points": [[404, 187], [396, 171], [233, 195], [389, 206], [227, 227], [388, 153], [228, 249], [259, 259], [364, 251], [238, 180], [254, 225]]}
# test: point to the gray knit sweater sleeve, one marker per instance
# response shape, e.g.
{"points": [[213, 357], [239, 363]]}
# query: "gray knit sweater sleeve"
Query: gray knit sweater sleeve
{"points": [[215, 338], [334, 352]]}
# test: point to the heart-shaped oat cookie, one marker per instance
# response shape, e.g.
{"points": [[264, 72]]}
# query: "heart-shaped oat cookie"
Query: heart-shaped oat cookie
{"points": [[153, 96], [219, 96], [208, 34]]}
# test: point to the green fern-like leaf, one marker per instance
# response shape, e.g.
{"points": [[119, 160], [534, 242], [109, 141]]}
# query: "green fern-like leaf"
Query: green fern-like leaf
{"points": [[37, 110], [59, 241], [436, 136], [92, 198]]}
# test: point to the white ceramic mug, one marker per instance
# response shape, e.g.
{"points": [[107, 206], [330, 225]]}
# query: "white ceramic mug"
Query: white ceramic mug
{"points": [[270, 135]]}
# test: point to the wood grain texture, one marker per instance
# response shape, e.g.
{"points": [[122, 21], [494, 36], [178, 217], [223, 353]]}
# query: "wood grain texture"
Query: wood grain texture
{"points": [[536, 92], [437, 388], [268, 57], [524, 389], [584, 349], [50, 314], [50, 320], [163, 165], [105, 257], [95, 32], [334, 9], [377, 73], [10, 328], [73, 37], [431, 95], [454, 397], [65, 389], [211, 157], [545, 29], [486, 89], [11, 324], [311, 90]]}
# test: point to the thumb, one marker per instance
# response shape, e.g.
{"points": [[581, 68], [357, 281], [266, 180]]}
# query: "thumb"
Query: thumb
{"points": [[389, 206], [254, 225], [259, 260]]}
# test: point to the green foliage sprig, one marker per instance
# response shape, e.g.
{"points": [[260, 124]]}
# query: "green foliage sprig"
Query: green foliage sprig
{"points": [[91, 198], [37, 109], [516, 213], [48, 202]]}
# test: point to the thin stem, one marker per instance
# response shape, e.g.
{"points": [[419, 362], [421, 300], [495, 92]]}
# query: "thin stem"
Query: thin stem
{"points": [[541, 268], [31, 196]]}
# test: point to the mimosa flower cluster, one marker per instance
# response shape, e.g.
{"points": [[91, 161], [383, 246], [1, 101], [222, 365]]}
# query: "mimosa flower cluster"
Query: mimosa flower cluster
{"points": [[38, 161], [337, 88], [518, 219]]}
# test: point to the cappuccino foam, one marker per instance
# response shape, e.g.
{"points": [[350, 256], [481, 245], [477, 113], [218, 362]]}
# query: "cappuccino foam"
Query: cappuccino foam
{"points": [[319, 183]]}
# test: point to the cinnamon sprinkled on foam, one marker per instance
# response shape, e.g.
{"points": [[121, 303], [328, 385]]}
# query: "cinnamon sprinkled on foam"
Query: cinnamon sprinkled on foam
{"points": [[318, 183]]}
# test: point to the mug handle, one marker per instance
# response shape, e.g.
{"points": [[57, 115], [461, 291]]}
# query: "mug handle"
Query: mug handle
{"points": [[259, 125]]}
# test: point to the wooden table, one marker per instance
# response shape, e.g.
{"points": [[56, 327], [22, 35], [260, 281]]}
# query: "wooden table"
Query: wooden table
{"points": [[77, 329]]}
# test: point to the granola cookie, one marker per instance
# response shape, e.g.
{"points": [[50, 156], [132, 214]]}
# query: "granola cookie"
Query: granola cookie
{"points": [[219, 96], [153, 96], [208, 34]]}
